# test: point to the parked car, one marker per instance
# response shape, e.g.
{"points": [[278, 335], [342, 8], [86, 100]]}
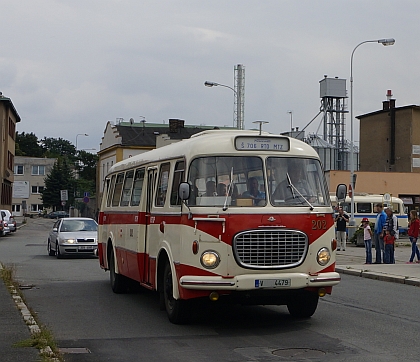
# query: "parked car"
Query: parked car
{"points": [[73, 236], [4, 227], [8, 217], [57, 214]]}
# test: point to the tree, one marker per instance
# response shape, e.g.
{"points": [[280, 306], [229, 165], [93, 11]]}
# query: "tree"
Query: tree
{"points": [[56, 147], [27, 144], [60, 178]]}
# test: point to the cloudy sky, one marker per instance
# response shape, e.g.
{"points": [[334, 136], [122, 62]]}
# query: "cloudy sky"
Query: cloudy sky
{"points": [[69, 66]]}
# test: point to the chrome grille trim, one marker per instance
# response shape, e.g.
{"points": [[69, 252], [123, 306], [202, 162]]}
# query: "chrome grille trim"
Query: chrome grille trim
{"points": [[270, 249]]}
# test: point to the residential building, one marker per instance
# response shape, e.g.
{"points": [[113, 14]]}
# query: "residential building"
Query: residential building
{"points": [[8, 119], [30, 173]]}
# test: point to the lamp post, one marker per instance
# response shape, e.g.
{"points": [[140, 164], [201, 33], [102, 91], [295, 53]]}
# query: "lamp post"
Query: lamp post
{"points": [[80, 134], [384, 42], [291, 122], [214, 84]]}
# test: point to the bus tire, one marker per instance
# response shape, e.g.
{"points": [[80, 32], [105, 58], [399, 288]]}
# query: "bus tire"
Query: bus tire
{"points": [[176, 309], [304, 305], [118, 281]]}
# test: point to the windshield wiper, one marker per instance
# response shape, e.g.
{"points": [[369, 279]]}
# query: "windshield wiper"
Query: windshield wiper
{"points": [[228, 190], [293, 188]]}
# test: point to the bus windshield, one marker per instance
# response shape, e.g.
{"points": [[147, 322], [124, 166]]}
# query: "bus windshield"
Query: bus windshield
{"points": [[296, 181], [240, 181]]}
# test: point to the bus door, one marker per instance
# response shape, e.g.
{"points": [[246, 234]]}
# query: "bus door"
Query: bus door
{"points": [[150, 191]]}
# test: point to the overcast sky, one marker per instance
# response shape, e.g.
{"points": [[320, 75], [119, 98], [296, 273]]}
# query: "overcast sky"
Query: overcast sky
{"points": [[69, 66]]}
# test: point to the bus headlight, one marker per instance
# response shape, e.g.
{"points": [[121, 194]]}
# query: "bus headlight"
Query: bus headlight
{"points": [[210, 259], [323, 256]]}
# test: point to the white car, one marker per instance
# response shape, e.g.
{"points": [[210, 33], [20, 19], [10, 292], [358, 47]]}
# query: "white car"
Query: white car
{"points": [[9, 219], [73, 236], [4, 227]]}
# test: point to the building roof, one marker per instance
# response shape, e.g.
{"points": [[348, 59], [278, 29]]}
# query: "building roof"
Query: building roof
{"points": [[387, 111], [9, 103]]}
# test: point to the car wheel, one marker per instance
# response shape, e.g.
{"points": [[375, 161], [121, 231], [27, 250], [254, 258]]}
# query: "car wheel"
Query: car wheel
{"points": [[57, 251], [119, 283], [176, 309], [304, 305], [50, 251]]}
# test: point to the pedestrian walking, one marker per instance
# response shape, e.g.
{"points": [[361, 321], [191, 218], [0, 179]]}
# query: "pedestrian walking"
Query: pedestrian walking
{"points": [[341, 223], [378, 233], [413, 234], [367, 237]]}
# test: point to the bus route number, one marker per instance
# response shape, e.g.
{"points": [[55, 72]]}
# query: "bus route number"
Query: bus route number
{"points": [[319, 224]]}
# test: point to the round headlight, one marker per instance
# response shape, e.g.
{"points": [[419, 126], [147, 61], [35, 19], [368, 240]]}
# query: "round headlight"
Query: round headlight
{"points": [[210, 259], [323, 256]]}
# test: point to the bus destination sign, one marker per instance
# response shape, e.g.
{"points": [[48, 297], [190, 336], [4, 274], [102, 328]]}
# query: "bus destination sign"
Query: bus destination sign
{"points": [[262, 143]]}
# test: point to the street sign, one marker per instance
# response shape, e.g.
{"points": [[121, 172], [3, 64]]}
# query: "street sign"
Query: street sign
{"points": [[86, 194], [86, 199], [387, 198], [64, 195], [63, 203]]}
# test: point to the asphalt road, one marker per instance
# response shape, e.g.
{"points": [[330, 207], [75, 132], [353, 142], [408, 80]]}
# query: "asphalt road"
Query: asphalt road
{"points": [[363, 320]]}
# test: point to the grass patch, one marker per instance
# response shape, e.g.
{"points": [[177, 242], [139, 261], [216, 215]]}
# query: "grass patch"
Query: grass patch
{"points": [[40, 340]]}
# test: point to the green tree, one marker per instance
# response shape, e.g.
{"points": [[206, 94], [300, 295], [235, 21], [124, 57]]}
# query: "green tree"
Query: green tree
{"points": [[60, 178], [27, 144], [59, 147]]}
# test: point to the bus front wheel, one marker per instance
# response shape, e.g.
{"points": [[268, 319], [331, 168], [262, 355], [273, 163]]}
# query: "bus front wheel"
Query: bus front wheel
{"points": [[175, 308], [304, 305], [118, 281]]}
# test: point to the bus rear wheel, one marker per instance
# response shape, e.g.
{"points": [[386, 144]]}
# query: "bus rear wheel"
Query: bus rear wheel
{"points": [[304, 305], [175, 308], [118, 281]]}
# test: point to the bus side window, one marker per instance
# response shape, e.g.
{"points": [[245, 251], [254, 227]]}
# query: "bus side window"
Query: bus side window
{"points": [[126, 191], [117, 190], [178, 178], [110, 191], [364, 207], [137, 187], [162, 185]]}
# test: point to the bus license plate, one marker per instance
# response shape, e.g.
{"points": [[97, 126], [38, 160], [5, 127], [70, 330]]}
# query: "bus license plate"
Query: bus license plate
{"points": [[272, 283]]}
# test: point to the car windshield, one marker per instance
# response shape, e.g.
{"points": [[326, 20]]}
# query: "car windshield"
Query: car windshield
{"points": [[78, 225], [296, 182]]}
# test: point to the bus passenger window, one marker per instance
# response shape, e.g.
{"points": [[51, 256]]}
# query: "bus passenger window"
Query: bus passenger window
{"points": [[178, 178], [117, 191], [110, 191], [162, 185], [137, 187], [364, 207], [126, 192]]}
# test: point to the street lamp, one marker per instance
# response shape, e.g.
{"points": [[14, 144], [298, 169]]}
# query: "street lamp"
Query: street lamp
{"points": [[214, 84], [80, 134], [384, 42]]}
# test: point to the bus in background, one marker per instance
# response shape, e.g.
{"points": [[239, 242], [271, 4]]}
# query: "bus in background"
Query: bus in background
{"points": [[364, 206], [224, 214]]}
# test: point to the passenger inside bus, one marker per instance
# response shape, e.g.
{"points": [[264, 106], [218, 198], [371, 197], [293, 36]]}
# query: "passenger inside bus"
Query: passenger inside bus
{"points": [[221, 189], [210, 188], [253, 191]]}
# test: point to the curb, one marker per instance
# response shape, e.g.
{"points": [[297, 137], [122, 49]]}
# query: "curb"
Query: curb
{"points": [[29, 320], [379, 276]]}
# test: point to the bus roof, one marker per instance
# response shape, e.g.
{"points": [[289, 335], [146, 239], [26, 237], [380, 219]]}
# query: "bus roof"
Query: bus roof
{"points": [[213, 142]]}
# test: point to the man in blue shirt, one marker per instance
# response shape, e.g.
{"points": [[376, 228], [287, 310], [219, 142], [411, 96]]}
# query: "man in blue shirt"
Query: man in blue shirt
{"points": [[378, 235], [254, 191]]}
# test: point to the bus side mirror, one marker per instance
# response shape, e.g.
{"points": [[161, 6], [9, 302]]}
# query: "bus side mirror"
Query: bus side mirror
{"points": [[341, 192], [184, 190]]}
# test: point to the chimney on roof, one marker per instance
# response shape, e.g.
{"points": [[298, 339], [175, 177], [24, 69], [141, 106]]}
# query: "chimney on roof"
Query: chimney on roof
{"points": [[175, 124], [390, 102]]}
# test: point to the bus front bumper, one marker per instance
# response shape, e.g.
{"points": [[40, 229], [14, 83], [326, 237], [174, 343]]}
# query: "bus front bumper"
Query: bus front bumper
{"points": [[261, 281]]}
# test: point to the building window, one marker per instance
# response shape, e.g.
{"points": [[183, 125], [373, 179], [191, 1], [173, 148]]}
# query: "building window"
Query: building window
{"points": [[19, 169], [6, 193], [16, 208], [36, 207], [38, 170], [10, 160], [12, 129], [37, 189]]}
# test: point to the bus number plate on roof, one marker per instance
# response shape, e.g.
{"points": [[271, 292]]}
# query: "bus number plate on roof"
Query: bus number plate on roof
{"points": [[261, 143]]}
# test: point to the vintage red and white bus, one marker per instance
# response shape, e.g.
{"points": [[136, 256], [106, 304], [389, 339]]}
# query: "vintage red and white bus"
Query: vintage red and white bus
{"points": [[224, 214]]}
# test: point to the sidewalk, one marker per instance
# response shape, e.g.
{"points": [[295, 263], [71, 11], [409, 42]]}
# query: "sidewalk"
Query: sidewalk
{"points": [[351, 261]]}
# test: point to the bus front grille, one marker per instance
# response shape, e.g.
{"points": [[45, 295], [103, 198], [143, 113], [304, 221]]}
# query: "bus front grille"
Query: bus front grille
{"points": [[270, 249]]}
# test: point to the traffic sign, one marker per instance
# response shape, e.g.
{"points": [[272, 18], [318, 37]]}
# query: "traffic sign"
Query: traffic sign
{"points": [[86, 199], [63, 203], [64, 195]]}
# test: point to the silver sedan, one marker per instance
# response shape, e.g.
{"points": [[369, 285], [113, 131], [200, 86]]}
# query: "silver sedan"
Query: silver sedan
{"points": [[73, 236]]}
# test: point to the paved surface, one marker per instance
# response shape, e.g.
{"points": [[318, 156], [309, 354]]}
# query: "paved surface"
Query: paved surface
{"points": [[351, 261]]}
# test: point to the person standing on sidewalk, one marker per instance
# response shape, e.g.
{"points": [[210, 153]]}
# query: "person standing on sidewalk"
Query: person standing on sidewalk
{"points": [[378, 233], [341, 221], [389, 241], [413, 233], [367, 237]]}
